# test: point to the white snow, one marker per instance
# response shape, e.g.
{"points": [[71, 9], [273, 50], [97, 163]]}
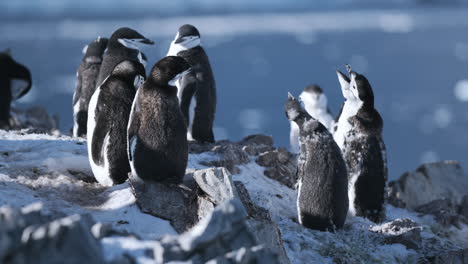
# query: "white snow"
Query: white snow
{"points": [[54, 172]]}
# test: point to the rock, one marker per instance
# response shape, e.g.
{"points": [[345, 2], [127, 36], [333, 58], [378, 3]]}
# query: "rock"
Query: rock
{"points": [[34, 120], [216, 183], [452, 257], [257, 139], [247, 255], [281, 166], [443, 210], [432, 181], [256, 144], [175, 203], [221, 232], [12, 223], [229, 156], [205, 206], [262, 227], [463, 209], [402, 231], [66, 240]]}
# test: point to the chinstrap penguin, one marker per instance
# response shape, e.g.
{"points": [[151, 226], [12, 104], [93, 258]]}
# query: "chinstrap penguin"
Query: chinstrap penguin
{"points": [[157, 134], [122, 45], [86, 76], [315, 103], [15, 82], [322, 200], [359, 135], [196, 90], [108, 115]]}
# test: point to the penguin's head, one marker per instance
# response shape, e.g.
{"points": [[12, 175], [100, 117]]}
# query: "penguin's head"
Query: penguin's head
{"points": [[96, 47], [187, 37], [313, 96], [18, 75], [361, 88], [169, 70], [345, 88], [131, 72], [128, 38]]}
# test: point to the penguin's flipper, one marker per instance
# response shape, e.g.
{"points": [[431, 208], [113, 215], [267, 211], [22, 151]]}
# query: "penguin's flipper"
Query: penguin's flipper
{"points": [[132, 128], [79, 85], [188, 84], [101, 131], [21, 80]]}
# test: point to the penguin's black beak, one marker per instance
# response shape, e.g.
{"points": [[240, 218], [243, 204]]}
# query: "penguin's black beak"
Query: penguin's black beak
{"points": [[342, 76], [348, 68], [147, 41]]}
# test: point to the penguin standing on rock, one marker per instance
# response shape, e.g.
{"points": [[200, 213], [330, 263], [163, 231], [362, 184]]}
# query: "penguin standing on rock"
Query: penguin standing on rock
{"points": [[315, 103], [196, 90], [86, 75], [123, 45], [15, 82], [108, 115], [359, 135], [157, 134], [322, 200]]}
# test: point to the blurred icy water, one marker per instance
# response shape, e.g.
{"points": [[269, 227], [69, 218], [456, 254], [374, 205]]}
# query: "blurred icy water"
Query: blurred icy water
{"points": [[416, 60]]}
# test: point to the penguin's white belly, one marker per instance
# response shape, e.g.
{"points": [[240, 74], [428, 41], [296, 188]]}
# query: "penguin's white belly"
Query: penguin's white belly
{"points": [[294, 137], [101, 172], [193, 104], [350, 109]]}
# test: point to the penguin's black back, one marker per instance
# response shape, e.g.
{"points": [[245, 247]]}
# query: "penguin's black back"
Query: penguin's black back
{"points": [[87, 75], [324, 189], [202, 85], [157, 125], [112, 114], [112, 57]]}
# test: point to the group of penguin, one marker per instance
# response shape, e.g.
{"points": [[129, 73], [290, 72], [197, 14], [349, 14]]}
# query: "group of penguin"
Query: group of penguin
{"points": [[137, 123], [342, 163], [141, 124]]}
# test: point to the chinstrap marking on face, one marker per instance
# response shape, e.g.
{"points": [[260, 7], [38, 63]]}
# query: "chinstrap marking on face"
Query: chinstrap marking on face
{"points": [[174, 80]]}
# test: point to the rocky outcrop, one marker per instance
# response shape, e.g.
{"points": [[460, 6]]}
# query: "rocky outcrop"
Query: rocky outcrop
{"points": [[175, 203], [402, 231], [432, 181], [280, 165], [29, 237], [443, 210], [35, 120], [216, 238]]}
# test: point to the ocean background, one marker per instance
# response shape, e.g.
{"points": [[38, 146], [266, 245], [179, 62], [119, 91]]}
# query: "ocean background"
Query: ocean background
{"points": [[414, 53]]}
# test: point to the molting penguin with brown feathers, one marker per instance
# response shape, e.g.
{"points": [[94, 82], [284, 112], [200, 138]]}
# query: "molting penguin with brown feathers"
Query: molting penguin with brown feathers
{"points": [[86, 76], [359, 135], [157, 133], [15, 82], [108, 115], [196, 90], [322, 200]]}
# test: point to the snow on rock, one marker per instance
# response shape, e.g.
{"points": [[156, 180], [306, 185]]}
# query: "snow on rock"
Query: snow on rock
{"points": [[52, 173]]}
